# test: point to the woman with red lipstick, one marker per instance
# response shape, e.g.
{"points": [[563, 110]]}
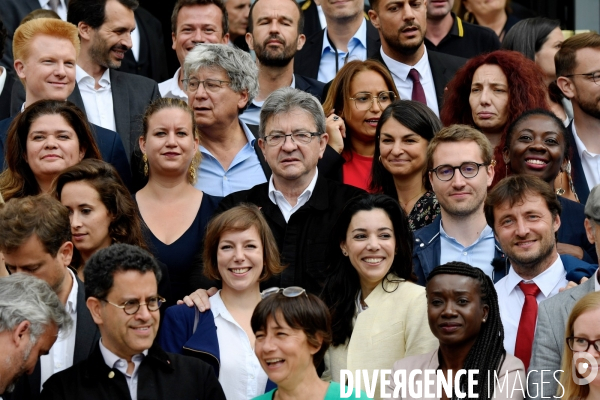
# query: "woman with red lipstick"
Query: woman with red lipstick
{"points": [[46, 138], [536, 144], [377, 311], [239, 251], [582, 336], [462, 309], [101, 211], [399, 170], [489, 92], [174, 212], [358, 95]]}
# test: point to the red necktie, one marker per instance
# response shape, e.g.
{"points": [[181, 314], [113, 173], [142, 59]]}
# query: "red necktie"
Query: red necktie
{"points": [[527, 322], [418, 94]]}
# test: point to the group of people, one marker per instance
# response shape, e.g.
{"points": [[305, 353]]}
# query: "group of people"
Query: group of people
{"points": [[399, 190]]}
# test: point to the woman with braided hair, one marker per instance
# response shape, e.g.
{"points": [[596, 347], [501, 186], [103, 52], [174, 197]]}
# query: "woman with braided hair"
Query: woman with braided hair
{"points": [[462, 308]]}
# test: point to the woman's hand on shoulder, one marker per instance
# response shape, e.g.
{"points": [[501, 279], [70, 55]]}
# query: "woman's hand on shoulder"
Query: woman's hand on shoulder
{"points": [[199, 298], [336, 129]]}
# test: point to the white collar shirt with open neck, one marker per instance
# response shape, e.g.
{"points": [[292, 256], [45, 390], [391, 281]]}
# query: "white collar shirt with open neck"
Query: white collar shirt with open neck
{"points": [[98, 103], [170, 88], [590, 162], [286, 208]]}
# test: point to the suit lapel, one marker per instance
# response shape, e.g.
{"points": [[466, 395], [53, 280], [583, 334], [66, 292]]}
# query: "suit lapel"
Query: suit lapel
{"points": [[438, 71], [373, 41], [76, 98], [315, 46], [581, 187], [120, 96], [87, 333]]}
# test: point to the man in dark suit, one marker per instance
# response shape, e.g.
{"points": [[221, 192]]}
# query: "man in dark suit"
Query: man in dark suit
{"points": [[151, 60], [122, 296], [578, 78], [6, 79], [55, 40], [36, 240], [275, 40], [348, 36], [112, 99], [419, 74], [553, 315]]}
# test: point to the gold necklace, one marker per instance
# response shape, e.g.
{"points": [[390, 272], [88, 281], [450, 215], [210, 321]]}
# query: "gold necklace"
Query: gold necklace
{"points": [[421, 193]]}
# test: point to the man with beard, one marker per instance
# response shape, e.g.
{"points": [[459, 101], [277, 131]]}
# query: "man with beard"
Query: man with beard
{"points": [[275, 34], [419, 74], [459, 161], [112, 99], [30, 317], [193, 22], [525, 215], [579, 79], [348, 36]]}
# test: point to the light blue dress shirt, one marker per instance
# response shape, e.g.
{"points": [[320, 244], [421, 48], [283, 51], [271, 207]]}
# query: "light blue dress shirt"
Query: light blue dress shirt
{"points": [[244, 172], [479, 254], [357, 50]]}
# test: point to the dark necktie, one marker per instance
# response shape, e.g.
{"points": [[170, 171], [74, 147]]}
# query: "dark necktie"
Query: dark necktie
{"points": [[418, 94], [527, 322]]}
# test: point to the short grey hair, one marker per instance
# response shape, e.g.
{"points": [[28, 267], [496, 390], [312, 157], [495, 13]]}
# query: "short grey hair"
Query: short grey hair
{"points": [[26, 298], [239, 66], [286, 99]]}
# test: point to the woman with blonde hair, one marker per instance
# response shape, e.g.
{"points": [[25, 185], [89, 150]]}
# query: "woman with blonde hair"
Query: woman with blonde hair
{"points": [[579, 378], [174, 212]]}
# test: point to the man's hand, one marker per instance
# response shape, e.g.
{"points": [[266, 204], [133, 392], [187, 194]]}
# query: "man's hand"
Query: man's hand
{"points": [[199, 298]]}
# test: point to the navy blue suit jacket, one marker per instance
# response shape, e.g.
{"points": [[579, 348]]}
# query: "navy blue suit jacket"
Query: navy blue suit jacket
{"points": [[109, 143], [581, 186]]}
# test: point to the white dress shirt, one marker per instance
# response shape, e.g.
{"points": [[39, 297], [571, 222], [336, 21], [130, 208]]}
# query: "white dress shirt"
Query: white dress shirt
{"points": [[590, 162], [170, 88], [61, 10], [404, 84], [511, 299], [61, 354], [286, 208], [241, 375], [120, 364], [98, 102], [3, 74]]}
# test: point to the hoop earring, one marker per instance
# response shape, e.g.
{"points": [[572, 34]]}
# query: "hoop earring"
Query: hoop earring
{"points": [[145, 160], [379, 158]]}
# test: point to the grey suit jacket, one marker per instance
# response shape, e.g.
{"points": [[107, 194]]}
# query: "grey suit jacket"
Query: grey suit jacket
{"points": [[549, 340], [86, 337], [131, 95]]}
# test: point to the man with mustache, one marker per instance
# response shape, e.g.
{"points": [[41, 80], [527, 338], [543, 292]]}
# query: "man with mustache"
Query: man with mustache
{"points": [[419, 74], [275, 34], [30, 317], [113, 100]]}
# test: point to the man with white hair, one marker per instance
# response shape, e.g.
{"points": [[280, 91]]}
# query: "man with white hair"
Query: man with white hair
{"points": [[30, 317]]}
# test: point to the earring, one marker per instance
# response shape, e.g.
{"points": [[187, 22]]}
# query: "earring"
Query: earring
{"points": [[379, 158], [484, 320], [345, 253], [505, 170], [145, 160], [560, 191]]}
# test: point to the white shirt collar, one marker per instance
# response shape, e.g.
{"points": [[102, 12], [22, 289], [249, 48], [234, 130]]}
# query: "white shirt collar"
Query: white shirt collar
{"points": [[80, 75], [111, 358], [360, 35], [171, 86], [71, 305], [546, 281], [260, 103], [579, 144], [304, 195], [401, 70], [217, 306], [3, 78]]}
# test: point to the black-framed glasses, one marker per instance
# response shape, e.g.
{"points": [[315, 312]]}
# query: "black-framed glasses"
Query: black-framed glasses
{"points": [[594, 75], [302, 137], [582, 344], [132, 306], [210, 85], [291, 291], [467, 169], [364, 100]]}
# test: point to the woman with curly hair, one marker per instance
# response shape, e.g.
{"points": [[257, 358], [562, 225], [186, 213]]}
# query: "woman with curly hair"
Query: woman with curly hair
{"points": [[490, 92]]}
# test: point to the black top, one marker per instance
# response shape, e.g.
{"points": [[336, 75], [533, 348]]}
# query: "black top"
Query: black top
{"points": [[466, 40], [184, 254]]}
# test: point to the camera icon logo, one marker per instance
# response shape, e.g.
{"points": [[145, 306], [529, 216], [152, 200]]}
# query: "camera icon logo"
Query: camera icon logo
{"points": [[585, 368]]}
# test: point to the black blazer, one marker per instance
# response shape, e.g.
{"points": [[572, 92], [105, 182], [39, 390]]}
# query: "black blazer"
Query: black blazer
{"points": [[86, 339], [161, 376], [152, 59], [307, 60], [11, 14], [304, 240], [443, 67], [109, 143], [579, 181], [6, 94]]}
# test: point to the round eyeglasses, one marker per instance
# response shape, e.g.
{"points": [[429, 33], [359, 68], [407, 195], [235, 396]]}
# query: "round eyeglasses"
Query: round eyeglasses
{"points": [[131, 307], [363, 101], [467, 169], [291, 291]]}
